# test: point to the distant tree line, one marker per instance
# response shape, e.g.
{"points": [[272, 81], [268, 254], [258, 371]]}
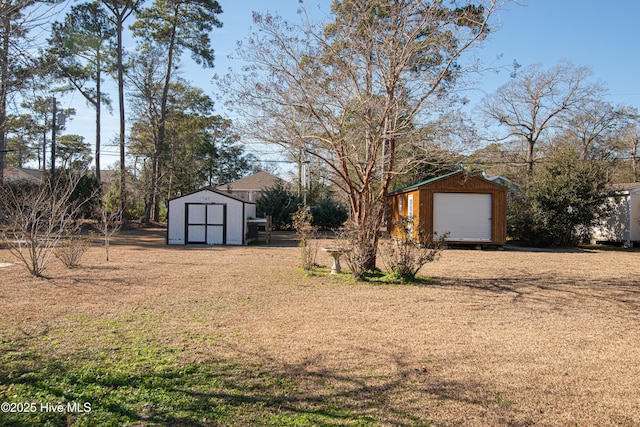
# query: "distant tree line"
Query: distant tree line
{"points": [[174, 142]]}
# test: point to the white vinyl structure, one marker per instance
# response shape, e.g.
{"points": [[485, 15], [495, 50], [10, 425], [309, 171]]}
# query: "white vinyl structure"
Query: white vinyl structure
{"points": [[623, 224], [210, 217], [465, 216]]}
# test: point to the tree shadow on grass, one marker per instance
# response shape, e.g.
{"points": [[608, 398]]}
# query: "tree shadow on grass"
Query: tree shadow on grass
{"points": [[555, 291]]}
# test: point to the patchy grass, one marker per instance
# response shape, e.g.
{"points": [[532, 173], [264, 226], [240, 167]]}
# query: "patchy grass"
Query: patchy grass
{"points": [[120, 374], [199, 336], [381, 277], [378, 277]]}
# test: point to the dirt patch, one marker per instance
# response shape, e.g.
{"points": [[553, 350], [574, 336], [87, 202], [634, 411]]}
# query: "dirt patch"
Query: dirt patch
{"points": [[503, 338]]}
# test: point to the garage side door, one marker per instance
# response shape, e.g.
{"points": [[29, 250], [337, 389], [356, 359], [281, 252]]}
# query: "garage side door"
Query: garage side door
{"points": [[465, 216], [205, 223]]}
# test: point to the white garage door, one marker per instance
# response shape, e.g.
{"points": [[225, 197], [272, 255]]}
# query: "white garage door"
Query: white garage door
{"points": [[465, 216]]}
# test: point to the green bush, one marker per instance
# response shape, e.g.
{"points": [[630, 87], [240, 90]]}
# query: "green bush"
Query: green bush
{"points": [[279, 202], [328, 213], [87, 193], [560, 203]]}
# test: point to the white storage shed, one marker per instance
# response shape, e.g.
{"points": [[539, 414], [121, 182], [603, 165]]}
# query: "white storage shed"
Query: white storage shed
{"points": [[623, 225], [208, 216]]}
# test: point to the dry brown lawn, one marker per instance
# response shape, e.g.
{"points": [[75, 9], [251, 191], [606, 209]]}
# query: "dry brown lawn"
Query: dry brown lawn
{"points": [[507, 338]]}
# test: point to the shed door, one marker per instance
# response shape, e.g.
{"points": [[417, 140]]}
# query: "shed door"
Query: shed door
{"points": [[206, 223], [465, 216], [216, 221]]}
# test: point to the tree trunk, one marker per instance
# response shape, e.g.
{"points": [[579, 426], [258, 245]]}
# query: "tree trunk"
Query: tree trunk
{"points": [[98, 119], [151, 194], [123, 192], [634, 159], [4, 75], [156, 194], [163, 117], [530, 157]]}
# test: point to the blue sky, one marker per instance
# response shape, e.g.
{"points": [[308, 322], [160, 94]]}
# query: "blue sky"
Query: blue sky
{"points": [[602, 36]]}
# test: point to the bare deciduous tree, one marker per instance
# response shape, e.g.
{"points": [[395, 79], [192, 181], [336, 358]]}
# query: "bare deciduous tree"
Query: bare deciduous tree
{"points": [[531, 103], [628, 144], [593, 129], [352, 92]]}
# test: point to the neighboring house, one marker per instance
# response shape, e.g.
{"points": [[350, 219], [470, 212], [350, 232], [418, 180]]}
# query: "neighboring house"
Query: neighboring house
{"points": [[208, 216], [471, 209], [623, 224], [251, 187], [13, 174]]}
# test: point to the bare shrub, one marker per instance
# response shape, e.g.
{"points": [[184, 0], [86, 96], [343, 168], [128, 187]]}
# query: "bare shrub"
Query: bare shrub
{"points": [[34, 217], [405, 254], [108, 225], [71, 249], [308, 235], [360, 249]]}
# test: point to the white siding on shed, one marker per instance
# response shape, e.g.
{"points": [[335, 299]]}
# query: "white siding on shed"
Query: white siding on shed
{"points": [[623, 223], [635, 217], [200, 217], [465, 216]]}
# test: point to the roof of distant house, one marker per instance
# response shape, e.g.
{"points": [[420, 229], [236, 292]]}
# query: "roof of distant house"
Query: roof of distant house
{"points": [[106, 175], [33, 173], [626, 186], [256, 182]]}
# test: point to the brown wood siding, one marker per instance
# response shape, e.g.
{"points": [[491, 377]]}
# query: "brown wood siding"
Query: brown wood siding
{"points": [[393, 214], [457, 183]]}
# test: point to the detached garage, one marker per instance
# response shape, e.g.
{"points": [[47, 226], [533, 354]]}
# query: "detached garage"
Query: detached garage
{"points": [[471, 209], [210, 217]]}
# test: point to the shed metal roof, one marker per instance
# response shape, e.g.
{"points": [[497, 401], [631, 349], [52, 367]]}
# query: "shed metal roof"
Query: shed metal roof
{"points": [[421, 183], [215, 190], [436, 179]]}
